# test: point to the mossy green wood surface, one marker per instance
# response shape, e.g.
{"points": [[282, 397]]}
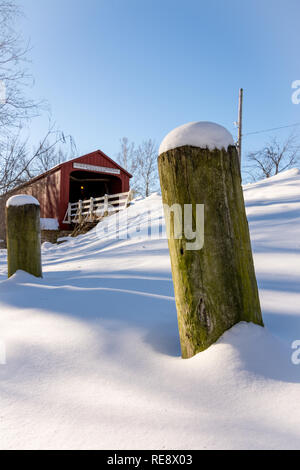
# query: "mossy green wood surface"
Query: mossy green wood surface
{"points": [[215, 287], [24, 239]]}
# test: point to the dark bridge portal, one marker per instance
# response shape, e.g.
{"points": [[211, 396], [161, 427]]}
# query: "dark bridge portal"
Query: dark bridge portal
{"points": [[84, 185]]}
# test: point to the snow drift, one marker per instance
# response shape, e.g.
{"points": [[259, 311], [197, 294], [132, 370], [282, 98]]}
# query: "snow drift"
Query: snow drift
{"points": [[93, 354]]}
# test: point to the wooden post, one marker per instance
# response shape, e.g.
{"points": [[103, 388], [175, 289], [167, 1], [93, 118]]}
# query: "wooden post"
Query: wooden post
{"points": [[91, 209], [105, 205], [129, 198], [23, 235], [215, 287], [80, 211], [69, 213]]}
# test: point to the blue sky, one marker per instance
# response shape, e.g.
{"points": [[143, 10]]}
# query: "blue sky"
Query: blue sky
{"points": [[114, 68]]}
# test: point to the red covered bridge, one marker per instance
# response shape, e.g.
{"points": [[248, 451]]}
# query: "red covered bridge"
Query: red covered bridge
{"points": [[90, 176]]}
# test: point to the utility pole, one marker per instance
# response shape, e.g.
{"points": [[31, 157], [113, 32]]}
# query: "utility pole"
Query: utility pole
{"points": [[240, 125]]}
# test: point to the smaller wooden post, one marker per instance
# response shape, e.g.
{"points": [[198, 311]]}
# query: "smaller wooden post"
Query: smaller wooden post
{"points": [[80, 211], [129, 198], [69, 213], [91, 209], [106, 205], [23, 235]]}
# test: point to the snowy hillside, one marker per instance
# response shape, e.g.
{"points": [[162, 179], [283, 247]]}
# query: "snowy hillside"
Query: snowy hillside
{"points": [[93, 354]]}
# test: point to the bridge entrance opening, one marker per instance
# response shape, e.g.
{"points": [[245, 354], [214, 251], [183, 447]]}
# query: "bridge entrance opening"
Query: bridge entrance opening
{"points": [[85, 185]]}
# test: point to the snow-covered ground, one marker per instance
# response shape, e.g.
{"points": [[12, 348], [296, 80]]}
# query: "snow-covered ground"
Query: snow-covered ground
{"points": [[93, 354]]}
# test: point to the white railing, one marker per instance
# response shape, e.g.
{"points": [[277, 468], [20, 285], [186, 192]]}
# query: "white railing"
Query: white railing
{"points": [[94, 209]]}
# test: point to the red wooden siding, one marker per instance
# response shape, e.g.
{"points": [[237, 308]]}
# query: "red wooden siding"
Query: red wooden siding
{"points": [[52, 188]]}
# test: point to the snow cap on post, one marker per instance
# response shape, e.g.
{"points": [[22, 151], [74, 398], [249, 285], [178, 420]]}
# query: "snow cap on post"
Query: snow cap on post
{"points": [[201, 134], [22, 200]]}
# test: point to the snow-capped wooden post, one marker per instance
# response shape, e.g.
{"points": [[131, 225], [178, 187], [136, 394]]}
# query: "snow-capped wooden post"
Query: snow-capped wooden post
{"points": [[23, 235], [215, 283]]}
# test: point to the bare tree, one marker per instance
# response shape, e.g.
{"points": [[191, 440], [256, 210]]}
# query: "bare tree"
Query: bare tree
{"points": [[126, 156], [14, 78], [12, 163], [274, 158], [48, 159], [146, 174], [18, 163], [55, 152], [141, 162]]}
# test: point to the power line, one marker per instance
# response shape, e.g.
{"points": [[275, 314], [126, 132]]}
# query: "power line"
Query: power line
{"points": [[273, 129]]}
